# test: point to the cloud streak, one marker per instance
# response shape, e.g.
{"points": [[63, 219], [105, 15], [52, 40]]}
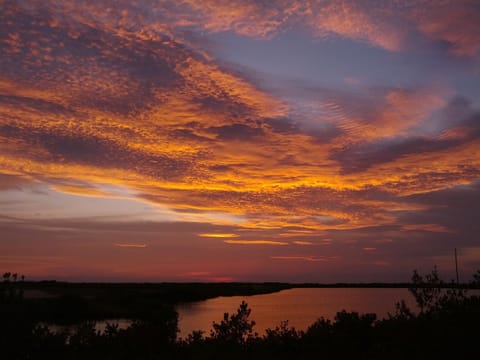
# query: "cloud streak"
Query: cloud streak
{"points": [[299, 258], [218, 235], [256, 242], [131, 245]]}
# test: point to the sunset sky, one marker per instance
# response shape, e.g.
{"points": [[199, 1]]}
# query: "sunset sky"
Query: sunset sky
{"points": [[249, 140]]}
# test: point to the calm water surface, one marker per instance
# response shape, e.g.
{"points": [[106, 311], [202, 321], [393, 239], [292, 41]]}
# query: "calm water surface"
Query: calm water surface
{"points": [[301, 307]]}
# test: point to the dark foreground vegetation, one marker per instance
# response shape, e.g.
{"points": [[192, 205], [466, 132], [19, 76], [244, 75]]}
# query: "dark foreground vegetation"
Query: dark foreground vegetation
{"points": [[446, 325]]}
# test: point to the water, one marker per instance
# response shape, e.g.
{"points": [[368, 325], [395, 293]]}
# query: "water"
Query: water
{"points": [[301, 307]]}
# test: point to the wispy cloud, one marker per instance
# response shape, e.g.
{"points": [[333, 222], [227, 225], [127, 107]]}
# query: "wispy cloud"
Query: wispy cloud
{"points": [[255, 242], [195, 274], [131, 245], [454, 22], [218, 235], [300, 258], [304, 243], [426, 227]]}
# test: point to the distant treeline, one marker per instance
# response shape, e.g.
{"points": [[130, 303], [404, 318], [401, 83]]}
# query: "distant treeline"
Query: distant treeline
{"points": [[446, 325], [69, 303], [382, 285]]}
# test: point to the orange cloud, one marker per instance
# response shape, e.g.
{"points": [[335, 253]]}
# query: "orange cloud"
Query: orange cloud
{"points": [[304, 243], [131, 245], [456, 22], [386, 26], [251, 18], [352, 20], [218, 235], [255, 242], [325, 18], [394, 114], [291, 233], [142, 106]]}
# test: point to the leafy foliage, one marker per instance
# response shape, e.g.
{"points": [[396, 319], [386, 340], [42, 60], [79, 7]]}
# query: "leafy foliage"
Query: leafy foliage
{"points": [[10, 292], [426, 290], [432, 294], [283, 337], [235, 329], [476, 278]]}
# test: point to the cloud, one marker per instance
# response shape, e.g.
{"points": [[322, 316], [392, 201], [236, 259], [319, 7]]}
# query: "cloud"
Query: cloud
{"points": [[237, 132], [358, 21], [81, 190], [361, 157], [425, 227], [137, 96], [382, 113], [452, 208], [455, 22], [300, 258], [131, 245], [218, 235], [255, 242], [387, 26], [92, 150], [303, 243], [10, 181]]}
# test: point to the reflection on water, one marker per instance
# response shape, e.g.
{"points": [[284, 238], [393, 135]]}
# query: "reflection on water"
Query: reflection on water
{"points": [[301, 307]]}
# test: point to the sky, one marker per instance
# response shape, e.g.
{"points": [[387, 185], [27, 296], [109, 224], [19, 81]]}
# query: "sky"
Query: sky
{"points": [[247, 140]]}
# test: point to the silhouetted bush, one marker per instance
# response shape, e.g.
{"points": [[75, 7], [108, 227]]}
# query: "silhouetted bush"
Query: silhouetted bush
{"points": [[283, 338], [234, 330]]}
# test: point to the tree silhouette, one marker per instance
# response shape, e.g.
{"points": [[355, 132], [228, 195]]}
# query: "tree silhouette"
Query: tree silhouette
{"points": [[476, 278], [235, 329], [283, 338], [426, 290]]}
